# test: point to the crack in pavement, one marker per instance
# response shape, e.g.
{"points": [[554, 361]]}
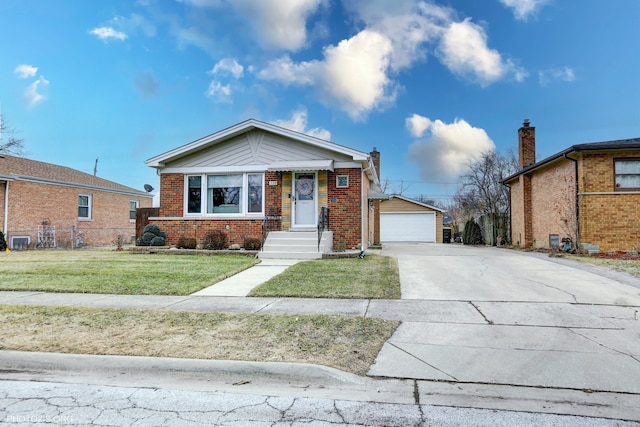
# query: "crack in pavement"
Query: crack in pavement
{"points": [[603, 345], [423, 361], [490, 322]]}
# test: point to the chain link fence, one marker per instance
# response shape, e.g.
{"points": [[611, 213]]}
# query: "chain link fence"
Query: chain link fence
{"points": [[50, 237]]}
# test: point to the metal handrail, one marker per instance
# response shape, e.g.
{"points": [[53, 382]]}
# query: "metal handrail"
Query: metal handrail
{"points": [[323, 223], [269, 223]]}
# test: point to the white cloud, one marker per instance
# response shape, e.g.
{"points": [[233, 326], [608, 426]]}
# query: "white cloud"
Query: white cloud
{"points": [[352, 77], [446, 153], [410, 26], [417, 125], [280, 24], [298, 123], [32, 92], [107, 33], [523, 9], [25, 71], [230, 66], [286, 71], [463, 49], [219, 92], [563, 74]]}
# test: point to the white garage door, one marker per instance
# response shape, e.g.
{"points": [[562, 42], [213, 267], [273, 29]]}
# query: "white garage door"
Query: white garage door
{"points": [[408, 227]]}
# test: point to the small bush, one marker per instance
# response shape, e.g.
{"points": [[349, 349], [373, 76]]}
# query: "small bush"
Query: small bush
{"points": [[252, 243], [472, 234], [340, 247], [119, 241], [3, 242], [187, 243], [152, 236], [153, 228], [215, 240]]}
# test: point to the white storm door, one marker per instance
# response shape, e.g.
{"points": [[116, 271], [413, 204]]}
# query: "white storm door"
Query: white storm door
{"points": [[304, 199]]}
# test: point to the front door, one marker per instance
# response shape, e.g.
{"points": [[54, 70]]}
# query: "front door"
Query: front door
{"points": [[304, 199]]}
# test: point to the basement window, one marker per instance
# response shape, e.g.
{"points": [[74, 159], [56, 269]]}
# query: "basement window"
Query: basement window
{"points": [[20, 242], [627, 174]]}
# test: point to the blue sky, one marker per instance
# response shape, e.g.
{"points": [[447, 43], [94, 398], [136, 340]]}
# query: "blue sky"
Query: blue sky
{"points": [[431, 84]]}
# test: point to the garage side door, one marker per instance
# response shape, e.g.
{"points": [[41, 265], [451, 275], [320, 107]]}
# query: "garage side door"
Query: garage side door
{"points": [[408, 227]]}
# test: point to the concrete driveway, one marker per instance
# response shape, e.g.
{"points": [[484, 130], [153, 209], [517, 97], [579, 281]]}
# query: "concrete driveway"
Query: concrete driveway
{"points": [[502, 317]]}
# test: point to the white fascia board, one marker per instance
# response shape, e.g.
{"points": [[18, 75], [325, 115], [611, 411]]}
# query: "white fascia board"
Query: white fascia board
{"points": [[223, 135], [215, 169], [301, 165], [406, 199]]}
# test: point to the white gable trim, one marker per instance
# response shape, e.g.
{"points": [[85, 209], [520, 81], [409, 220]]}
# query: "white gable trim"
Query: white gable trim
{"points": [[240, 128]]}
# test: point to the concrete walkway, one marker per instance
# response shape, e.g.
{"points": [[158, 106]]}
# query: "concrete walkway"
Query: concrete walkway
{"points": [[242, 283]]}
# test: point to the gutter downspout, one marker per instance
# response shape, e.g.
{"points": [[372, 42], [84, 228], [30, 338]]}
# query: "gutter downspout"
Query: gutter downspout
{"points": [[6, 208], [510, 219], [575, 162]]}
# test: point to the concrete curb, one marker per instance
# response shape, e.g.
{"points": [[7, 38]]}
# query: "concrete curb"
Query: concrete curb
{"points": [[220, 370]]}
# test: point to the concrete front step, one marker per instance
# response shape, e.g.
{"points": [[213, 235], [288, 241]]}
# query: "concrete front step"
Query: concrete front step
{"points": [[295, 245], [289, 255]]}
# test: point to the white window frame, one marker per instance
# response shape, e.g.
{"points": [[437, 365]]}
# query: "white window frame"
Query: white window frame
{"points": [[137, 202], [616, 161], [89, 209], [244, 212], [338, 177], [12, 246]]}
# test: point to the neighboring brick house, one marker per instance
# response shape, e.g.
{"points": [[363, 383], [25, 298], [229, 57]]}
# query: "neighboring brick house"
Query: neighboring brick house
{"points": [[588, 193], [255, 177], [48, 205]]}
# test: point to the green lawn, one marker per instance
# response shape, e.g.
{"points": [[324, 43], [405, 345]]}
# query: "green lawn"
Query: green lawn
{"points": [[111, 272], [372, 277]]}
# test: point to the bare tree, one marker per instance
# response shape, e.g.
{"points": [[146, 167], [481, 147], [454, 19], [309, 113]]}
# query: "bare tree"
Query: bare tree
{"points": [[567, 211], [481, 192], [9, 144]]}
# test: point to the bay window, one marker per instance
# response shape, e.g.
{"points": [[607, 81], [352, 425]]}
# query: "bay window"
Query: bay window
{"points": [[219, 194]]}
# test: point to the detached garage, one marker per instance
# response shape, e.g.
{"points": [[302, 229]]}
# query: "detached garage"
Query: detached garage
{"points": [[406, 220]]}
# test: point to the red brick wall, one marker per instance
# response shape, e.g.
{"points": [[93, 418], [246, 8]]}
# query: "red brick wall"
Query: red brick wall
{"points": [[236, 229], [344, 211], [172, 206], [172, 195], [345, 207], [32, 203]]}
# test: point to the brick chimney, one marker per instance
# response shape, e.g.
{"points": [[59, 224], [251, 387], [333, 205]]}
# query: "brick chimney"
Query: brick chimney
{"points": [[375, 158], [527, 144]]}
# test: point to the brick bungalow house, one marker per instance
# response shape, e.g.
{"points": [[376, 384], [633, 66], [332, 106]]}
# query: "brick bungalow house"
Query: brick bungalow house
{"points": [[588, 193], [301, 195], [48, 205]]}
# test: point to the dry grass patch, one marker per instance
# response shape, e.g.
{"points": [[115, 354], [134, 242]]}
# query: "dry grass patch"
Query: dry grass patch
{"points": [[374, 276], [630, 266], [347, 343]]}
